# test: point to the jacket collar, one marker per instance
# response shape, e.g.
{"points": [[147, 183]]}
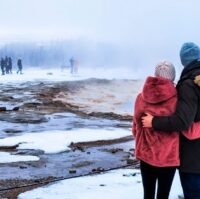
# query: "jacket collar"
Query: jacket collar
{"points": [[190, 72], [190, 69]]}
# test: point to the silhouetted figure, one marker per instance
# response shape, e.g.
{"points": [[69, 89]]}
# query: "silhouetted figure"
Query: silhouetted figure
{"points": [[10, 65], [7, 65], [19, 64], [2, 66], [72, 64]]}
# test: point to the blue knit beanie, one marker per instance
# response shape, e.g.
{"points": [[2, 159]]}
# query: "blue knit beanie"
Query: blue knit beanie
{"points": [[189, 53]]}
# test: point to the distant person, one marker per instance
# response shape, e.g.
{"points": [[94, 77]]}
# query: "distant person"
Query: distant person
{"points": [[7, 65], [10, 65], [19, 64], [72, 65], [2, 66]]}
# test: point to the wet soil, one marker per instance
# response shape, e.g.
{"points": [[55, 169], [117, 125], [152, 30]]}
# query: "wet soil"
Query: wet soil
{"points": [[84, 158], [31, 107]]}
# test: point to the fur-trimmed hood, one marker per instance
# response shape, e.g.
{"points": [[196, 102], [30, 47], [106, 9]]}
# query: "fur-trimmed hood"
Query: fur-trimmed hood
{"points": [[158, 89], [197, 80]]}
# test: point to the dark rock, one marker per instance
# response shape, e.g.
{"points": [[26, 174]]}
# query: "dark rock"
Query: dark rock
{"points": [[132, 149], [128, 175], [72, 171], [12, 131], [131, 161], [23, 167], [99, 169], [3, 109], [8, 148], [16, 108], [80, 148], [113, 150], [75, 147]]}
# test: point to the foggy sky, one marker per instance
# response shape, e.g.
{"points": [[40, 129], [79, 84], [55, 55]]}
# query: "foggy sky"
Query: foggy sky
{"points": [[154, 29]]}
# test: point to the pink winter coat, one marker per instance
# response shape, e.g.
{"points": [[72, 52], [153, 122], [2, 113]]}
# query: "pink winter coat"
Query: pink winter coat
{"points": [[159, 98], [193, 132]]}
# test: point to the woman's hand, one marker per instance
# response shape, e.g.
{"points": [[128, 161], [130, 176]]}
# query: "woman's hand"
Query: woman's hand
{"points": [[147, 120]]}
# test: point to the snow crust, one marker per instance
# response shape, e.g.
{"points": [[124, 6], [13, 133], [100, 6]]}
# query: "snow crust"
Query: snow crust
{"points": [[56, 74], [118, 184], [57, 141], [6, 157]]}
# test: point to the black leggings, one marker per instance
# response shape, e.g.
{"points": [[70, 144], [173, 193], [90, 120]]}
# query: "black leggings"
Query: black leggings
{"points": [[163, 175]]}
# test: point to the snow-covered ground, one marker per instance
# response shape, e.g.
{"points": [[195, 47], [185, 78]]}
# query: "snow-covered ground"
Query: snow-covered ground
{"points": [[57, 141], [39, 74], [6, 157], [118, 184]]}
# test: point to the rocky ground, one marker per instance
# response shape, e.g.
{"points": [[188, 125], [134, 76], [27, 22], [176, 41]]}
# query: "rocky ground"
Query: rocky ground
{"points": [[37, 106]]}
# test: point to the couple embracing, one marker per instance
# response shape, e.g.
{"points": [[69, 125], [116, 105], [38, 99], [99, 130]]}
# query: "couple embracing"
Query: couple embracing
{"points": [[166, 127]]}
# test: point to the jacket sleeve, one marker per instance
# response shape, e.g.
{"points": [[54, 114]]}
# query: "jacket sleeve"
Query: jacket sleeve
{"points": [[186, 110]]}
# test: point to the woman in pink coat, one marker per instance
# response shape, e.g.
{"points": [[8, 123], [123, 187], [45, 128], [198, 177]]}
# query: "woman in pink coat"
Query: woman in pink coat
{"points": [[158, 152]]}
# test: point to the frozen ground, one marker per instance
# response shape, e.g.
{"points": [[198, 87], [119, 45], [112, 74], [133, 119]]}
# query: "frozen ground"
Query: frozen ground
{"points": [[38, 74], [58, 141], [6, 157], [118, 184]]}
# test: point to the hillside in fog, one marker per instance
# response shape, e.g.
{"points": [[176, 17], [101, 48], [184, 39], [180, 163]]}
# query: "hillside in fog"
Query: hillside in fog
{"points": [[59, 53]]}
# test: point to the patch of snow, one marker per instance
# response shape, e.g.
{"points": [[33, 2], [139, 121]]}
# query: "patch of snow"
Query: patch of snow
{"points": [[65, 114], [7, 158], [57, 141], [116, 184]]}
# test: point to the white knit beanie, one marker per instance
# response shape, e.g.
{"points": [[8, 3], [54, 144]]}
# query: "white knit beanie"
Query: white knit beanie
{"points": [[166, 70]]}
